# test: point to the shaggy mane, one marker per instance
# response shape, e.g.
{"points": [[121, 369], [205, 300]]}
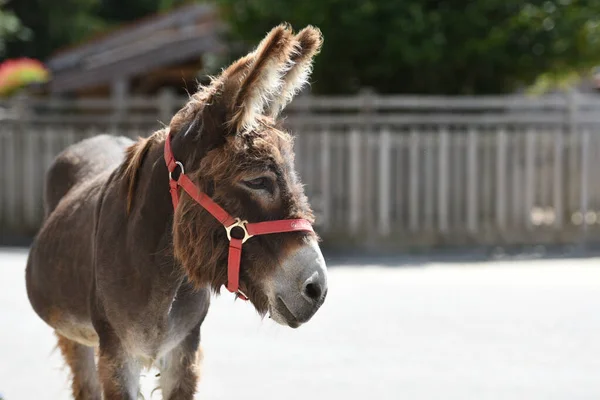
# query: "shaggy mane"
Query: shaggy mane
{"points": [[134, 157]]}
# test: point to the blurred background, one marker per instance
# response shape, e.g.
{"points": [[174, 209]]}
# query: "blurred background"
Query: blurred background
{"points": [[450, 151]]}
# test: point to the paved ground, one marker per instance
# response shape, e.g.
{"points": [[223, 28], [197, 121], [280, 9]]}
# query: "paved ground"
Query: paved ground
{"points": [[501, 330]]}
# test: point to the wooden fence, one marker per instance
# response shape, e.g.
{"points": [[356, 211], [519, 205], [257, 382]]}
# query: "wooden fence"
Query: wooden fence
{"points": [[381, 171]]}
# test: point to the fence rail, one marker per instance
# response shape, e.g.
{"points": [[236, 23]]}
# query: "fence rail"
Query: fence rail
{"points": [[381, 171]]}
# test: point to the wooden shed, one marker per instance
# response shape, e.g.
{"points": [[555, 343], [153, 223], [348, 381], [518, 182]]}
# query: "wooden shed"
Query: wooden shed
{"points": [[164, 50]]}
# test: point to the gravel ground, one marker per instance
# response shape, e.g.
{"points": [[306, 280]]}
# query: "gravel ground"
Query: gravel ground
{"points": [[489, 330]]}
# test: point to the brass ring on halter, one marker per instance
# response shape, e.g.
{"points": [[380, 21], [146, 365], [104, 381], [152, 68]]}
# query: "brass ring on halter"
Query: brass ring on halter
{"points": [[241, 224]]}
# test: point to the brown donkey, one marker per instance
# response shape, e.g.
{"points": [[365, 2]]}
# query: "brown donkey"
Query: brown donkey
{"points": [[115, 268]]}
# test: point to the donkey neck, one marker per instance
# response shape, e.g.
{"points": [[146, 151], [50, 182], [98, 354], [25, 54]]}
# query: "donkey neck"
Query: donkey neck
{"points": [[152, 212], [151, 224], [151, 216]]}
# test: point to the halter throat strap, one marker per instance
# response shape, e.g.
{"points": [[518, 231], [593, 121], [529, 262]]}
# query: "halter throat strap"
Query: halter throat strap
{"points": [[229, 223]]}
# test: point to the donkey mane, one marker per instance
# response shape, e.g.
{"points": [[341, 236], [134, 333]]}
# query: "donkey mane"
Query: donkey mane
{"points": [[134, 157]]}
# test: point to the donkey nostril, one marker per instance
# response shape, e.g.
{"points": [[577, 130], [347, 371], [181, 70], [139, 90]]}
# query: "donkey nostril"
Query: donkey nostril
{"points": [[313, 291]]}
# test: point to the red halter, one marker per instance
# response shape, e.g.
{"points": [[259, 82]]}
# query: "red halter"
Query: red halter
{"points": [[229, 222]]}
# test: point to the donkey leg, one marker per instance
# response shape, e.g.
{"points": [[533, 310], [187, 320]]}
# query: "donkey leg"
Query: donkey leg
{"points": [[80, 359], [180, 368], [119, 372]]}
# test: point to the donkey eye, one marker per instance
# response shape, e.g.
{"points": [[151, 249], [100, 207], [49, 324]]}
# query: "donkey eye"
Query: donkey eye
{"points": [[262, 183]]}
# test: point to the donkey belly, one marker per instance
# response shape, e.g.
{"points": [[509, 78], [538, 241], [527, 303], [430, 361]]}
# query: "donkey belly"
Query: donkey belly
{"points": [[59, 272], [59, 268]]}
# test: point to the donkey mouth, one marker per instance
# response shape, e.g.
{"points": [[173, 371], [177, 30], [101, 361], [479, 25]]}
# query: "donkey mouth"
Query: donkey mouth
{"points": [[282, 314]]}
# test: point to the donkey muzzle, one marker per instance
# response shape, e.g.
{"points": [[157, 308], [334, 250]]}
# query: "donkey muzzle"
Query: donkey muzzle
{"points": [[299, 287]]}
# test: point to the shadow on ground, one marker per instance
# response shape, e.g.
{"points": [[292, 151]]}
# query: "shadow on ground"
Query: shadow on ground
{"points": [[360, 258], [474, 254]]}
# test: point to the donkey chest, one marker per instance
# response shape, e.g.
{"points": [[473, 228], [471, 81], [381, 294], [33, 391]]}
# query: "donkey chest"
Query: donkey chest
{"points": [[155, 334]]}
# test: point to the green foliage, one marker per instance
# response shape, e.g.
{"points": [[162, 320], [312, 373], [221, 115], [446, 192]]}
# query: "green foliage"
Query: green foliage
{"points": [[11, 28], [443, 46], [58, 23], [54, 24], [558, 81], [402, 46], [118, 11]]}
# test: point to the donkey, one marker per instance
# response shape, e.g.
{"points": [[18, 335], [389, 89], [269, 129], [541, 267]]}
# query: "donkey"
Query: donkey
{"points": [[134, 242]]}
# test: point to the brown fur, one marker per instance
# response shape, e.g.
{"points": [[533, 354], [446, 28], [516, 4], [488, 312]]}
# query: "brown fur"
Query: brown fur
{"points": [[239, 66], [245, 151], [272, 58], [241, 153], [107, 371], [133, 161], [307, 44], [80, 385], [189, 369], [137, 282]]}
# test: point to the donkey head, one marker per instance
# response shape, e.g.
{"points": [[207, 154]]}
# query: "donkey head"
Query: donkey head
{"points": [[235, 151]]}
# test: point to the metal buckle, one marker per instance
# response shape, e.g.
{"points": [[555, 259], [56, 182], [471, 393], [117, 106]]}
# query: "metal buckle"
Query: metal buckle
{"points": [[182, 170], [242, 224]]}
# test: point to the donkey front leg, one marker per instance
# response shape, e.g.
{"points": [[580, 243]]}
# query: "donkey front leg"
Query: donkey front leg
{"points": [[180, 368], [80, 359], [119, 372]]}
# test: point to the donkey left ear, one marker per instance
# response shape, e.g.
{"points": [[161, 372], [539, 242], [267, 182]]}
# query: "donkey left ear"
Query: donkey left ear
{"points": [[307, 45], [262, 81]]}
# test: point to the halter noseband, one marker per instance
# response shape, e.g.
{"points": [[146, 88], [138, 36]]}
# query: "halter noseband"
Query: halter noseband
{"points": [[229, 222]]}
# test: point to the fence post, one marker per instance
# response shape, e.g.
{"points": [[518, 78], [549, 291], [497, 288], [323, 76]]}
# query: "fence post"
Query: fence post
{"points": [[16, 165], [166, 100], [472, 206], [573, 166], [385, 149], [443, 172], [30, 168], [21, 107], [501, 179], [428, 181], [413, 181], [368, 105], [10, 174], [573, 111], [326, 188], [355, 180], [366, 201], [585, 136], [529, 176], [558, 180], [119, 96]]}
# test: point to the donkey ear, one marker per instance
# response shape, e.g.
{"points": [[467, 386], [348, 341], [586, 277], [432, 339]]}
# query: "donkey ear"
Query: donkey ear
{"points": [[307, 44], [262, 77]]}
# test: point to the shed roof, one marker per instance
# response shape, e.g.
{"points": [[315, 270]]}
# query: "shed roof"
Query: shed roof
{"points": [[152, 42]]}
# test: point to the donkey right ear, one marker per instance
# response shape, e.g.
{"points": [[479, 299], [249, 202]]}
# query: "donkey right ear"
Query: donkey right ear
{"points": [[262, 72]]}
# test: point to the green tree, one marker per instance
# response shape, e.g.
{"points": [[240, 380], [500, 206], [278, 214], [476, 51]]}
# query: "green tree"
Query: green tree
{"points": [[118, 11], [11, 28], [426, 46], [54, 24]]}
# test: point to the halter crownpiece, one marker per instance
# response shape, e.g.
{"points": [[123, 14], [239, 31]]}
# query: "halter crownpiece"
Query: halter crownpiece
{"points": [[230, 223]]}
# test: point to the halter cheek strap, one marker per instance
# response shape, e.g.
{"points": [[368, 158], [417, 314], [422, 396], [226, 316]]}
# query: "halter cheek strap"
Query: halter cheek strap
{"points": [[230, 223]]}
